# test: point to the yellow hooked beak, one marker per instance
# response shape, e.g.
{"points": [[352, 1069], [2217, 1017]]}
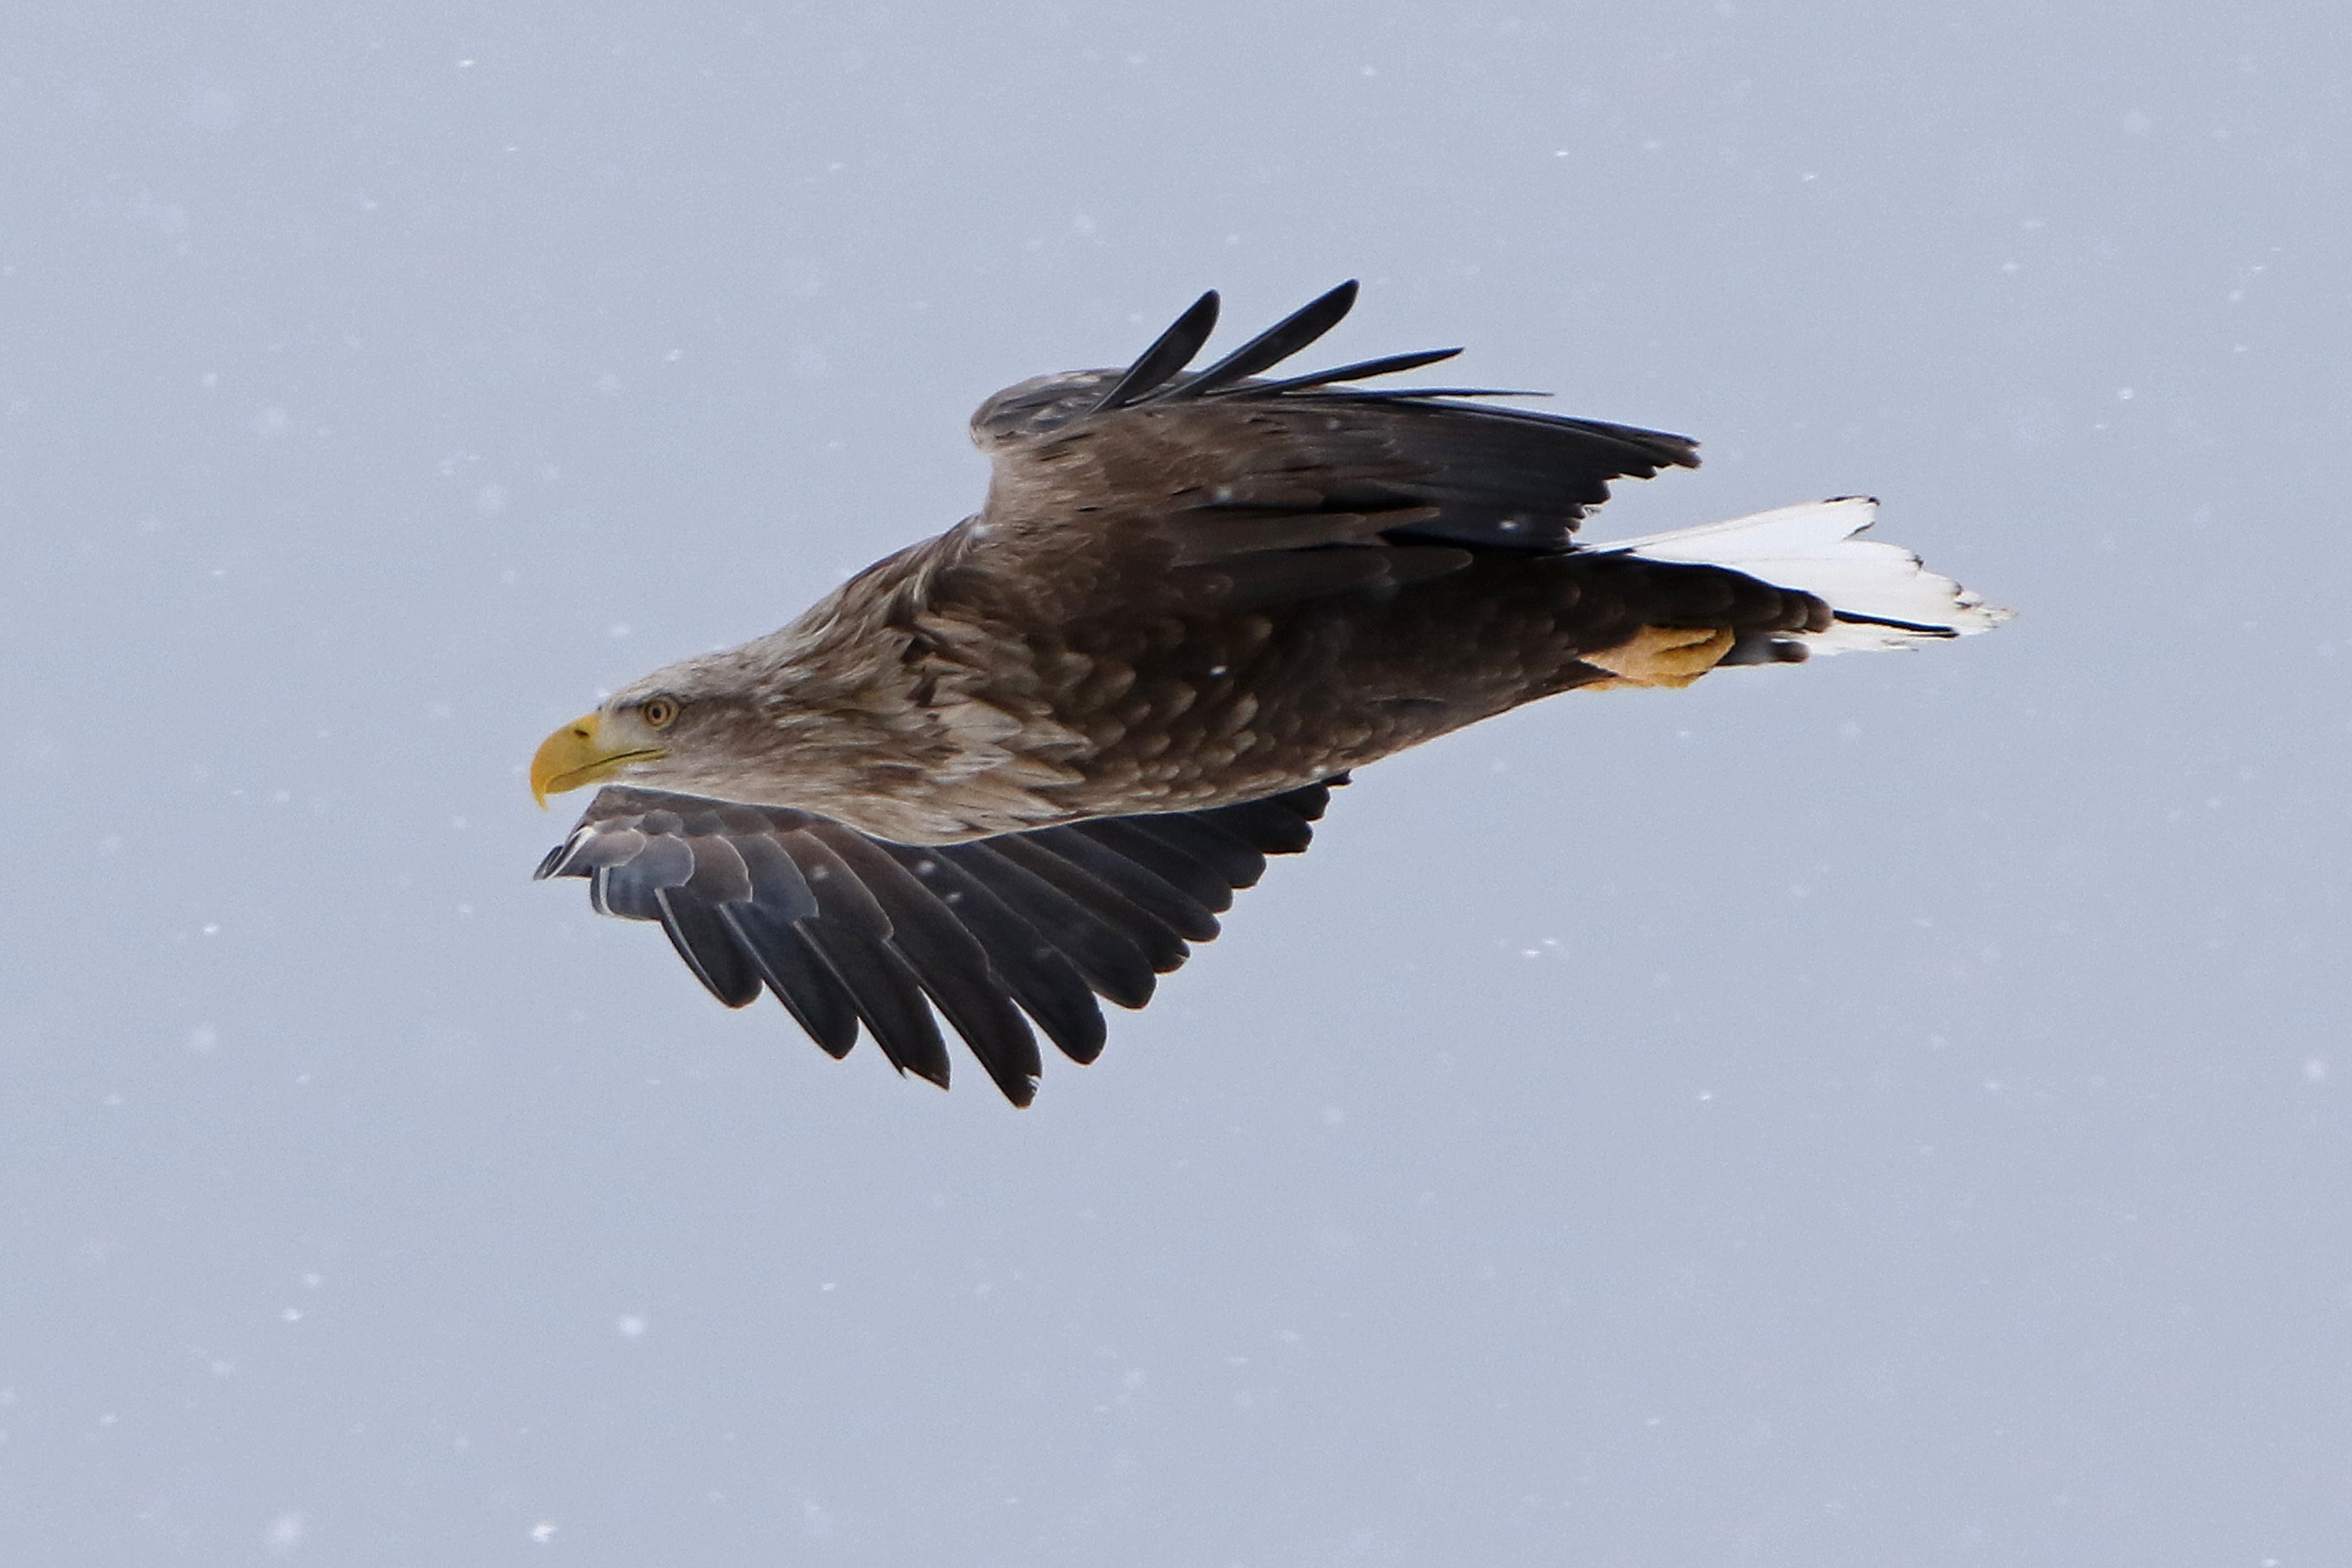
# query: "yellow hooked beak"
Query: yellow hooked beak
{"points": [[574, 755]]}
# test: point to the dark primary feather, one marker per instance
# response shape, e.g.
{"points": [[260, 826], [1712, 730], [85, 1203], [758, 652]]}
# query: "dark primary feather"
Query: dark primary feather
{"points": [[848, 931], [1113, 965], [1272, 346], [1363, 370], [1036, 973], [1169, 352], [946, 960], [797, 975], [853, 934]]}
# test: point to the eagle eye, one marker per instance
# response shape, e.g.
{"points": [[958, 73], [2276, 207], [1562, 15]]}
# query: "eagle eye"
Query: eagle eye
{"points": [[658, 712]]}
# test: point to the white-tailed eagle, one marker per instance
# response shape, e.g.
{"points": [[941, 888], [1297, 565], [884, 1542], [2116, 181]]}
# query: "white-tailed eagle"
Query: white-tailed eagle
{"points": [[1024, 765]]}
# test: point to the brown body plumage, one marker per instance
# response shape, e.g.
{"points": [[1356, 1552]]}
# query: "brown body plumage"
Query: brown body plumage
{"points": [[1023, 763]]}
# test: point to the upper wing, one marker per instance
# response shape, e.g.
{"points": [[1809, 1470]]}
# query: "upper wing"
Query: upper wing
{"points": [[848, 930], [1229, 490]]}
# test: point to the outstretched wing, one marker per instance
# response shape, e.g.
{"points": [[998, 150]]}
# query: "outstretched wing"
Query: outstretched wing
{"points": [[849, 931], [1235, 491]]}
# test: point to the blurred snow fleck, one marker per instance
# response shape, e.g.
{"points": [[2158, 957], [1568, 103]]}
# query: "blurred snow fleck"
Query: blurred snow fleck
{"points": [[203, 1039], [271, 421], [543, 1531], [2314, 1070], [284, 1534], [631, 1326]]}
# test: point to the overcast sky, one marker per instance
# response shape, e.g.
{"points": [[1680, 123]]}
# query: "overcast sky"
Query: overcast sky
{"points": [[1886, 1112]]}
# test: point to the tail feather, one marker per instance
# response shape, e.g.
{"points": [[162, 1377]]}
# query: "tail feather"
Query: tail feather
{"points": [[1882, 595]]}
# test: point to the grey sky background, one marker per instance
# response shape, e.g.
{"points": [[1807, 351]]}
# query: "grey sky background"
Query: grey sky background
{"points": [[1887, 1112]]}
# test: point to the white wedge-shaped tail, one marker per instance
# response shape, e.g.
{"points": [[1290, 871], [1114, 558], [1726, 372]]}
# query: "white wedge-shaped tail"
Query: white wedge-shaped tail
{"points": [[1883, 596]]}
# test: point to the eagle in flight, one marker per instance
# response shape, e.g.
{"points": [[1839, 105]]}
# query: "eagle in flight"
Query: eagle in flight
{"points": [[1024, 765]]}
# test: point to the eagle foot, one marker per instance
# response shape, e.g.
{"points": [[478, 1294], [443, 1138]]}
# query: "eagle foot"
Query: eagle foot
{"points": [[1661, 656]]}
